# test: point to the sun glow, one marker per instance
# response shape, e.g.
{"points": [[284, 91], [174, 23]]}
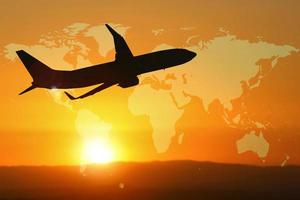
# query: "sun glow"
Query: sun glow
{"points": [[97, 151]]}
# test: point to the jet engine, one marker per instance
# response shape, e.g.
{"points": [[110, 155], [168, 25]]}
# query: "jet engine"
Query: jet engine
{"points": [[129, 82]]}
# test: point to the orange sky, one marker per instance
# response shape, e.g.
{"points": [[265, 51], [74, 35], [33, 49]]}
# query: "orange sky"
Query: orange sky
{"points": [[36, 130]]}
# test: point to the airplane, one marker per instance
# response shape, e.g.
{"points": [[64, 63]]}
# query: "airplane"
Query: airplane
{"points": [[123, 71]]}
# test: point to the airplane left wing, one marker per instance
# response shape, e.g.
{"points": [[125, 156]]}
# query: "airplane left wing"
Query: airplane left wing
{"points": [[93, 91], [122, 50]]}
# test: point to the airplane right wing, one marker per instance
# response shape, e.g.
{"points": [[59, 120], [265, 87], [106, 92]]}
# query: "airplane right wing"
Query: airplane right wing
{"points": [[122, 50], [93, 91]]}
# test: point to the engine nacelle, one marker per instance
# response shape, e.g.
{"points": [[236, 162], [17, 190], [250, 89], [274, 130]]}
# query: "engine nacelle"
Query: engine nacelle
{"points": [[129, 82]]}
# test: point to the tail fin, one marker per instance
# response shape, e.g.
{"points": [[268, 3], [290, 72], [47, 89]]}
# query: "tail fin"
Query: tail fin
{"points": [[36, 68]]}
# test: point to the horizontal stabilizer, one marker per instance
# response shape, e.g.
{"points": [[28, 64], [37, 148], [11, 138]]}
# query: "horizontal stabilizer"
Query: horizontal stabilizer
{"points": [[28, 89]]}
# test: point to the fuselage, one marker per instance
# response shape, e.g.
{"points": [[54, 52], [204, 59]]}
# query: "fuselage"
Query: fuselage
{"points": [[117, 71]]}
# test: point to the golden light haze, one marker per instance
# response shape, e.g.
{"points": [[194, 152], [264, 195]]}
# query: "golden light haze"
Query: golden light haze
{"points": [[244, 81]]}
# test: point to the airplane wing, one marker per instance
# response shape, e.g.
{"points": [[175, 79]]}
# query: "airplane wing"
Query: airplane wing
{"points": [[93, 91], [122, 50]]}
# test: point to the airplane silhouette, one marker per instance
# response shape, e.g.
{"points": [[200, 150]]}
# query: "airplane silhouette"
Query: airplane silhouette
{"points": [[122, 72]]}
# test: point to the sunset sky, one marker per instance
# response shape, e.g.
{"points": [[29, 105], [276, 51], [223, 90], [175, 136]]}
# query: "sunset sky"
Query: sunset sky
{"points": [[236, 102]]}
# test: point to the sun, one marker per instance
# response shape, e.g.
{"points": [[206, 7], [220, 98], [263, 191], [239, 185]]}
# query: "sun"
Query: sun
{"points": [[97, 151]]}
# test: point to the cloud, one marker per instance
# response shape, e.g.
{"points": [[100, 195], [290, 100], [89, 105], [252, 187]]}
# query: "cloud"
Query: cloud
{"points": [[187, 28], [157, 32]]}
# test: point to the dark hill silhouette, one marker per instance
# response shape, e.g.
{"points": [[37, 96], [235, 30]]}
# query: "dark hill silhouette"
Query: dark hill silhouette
{"points": [[154, 180]]}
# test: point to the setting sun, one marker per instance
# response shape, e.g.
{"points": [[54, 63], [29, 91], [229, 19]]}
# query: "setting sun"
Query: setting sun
{"points": [[97, 151]]}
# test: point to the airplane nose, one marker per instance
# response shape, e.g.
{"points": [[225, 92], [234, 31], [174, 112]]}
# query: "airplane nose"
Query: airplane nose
{"points": [[191, 54]]}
